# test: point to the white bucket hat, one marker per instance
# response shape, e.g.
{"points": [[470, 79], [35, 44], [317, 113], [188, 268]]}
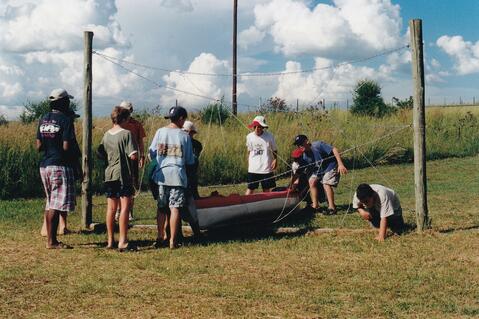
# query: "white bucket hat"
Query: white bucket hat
{"points": [[58, 94], [188, 126], [126, 105]]}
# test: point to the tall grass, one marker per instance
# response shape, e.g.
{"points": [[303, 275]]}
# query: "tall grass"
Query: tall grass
{"points": [[451, 132]]}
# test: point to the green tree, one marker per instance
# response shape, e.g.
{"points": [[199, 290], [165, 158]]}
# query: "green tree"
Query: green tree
{"points": [[367, 100], [35, 110], [274, 104]]}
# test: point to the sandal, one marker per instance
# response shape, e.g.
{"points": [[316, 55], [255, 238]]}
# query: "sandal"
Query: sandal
{"points": [[331, 211]]}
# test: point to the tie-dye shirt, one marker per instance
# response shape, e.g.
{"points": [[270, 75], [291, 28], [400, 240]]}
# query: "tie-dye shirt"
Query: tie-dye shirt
{"points": [[173, 150]]}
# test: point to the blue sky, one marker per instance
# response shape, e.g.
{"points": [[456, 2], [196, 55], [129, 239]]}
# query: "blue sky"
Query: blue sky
{"points": [[40, 51]]}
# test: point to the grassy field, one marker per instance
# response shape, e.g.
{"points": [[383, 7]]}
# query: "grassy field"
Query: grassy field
{"points": [[253, 274], [451, 132]]}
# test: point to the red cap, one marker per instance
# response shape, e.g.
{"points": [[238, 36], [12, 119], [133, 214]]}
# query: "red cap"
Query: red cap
{"points": [[297, 153], [255, 123]]}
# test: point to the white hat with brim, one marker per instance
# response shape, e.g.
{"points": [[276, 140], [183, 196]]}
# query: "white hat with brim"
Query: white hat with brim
{"points": [[258, 120], [58, 94], [188, 126], [126, 105]]}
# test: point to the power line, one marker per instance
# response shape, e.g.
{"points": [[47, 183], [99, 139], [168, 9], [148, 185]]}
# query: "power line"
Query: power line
{"points": [[255, 74]]}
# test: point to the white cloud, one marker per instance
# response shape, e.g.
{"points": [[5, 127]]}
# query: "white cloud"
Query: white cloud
{"points": [[58, 25], [209, 86], [250, 36], [11, 112], [464, 53], [347, 28]]}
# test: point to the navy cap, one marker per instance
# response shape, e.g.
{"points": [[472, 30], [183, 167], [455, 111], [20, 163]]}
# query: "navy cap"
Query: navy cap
{"points": [[176, 112], [300, 139]]}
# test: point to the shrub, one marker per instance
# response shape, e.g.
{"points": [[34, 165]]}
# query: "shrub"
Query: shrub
{"points": [[367, 100], [216, 113], [403, 104], [3, 120]]}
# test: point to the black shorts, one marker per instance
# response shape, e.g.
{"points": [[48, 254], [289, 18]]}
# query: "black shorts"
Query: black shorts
{"points": [[267, 181], [116, 190]]}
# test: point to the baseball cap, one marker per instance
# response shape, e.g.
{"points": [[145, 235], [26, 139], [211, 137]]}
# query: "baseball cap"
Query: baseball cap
{"points": [[258, 121], [176, 112], [126, 105], [300, 139], [58, 94], [189, 127], [297, 153]]}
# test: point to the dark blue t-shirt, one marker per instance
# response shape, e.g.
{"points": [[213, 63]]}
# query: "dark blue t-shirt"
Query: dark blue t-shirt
{"points": [[53, 129], [322, 155]]}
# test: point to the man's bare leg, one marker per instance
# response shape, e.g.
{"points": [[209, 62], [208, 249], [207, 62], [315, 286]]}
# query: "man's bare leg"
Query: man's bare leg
{"points": [[112, 204], [123, 222], [62, 226], [328, 189], [44, 232], [174, 226], [51, 218], [313, 193], [249, 191], [160, 225]]}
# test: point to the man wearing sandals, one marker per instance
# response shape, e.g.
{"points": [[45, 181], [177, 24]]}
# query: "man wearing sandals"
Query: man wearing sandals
{"points": [[172, 149], [55, 137], [327, 167]]}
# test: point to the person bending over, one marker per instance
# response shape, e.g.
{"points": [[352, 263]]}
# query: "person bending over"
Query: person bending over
{"points": [[381, 207]]}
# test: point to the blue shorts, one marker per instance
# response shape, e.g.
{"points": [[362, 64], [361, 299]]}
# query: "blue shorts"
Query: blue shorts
{"points": [[171, 196]]}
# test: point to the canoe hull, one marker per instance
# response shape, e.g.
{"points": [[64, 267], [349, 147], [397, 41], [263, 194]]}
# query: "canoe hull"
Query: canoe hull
{"points": [[239, 209]]}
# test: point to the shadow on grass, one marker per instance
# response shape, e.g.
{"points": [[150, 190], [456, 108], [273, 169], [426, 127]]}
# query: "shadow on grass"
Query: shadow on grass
{"points": [[454, 229]]}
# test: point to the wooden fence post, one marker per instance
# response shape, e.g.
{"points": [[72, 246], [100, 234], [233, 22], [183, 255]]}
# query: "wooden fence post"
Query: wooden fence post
{"points": [[419, 122], [86, 200]]}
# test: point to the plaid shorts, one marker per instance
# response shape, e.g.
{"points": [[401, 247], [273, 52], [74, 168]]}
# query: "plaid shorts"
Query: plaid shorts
{"points": [[171, 196], [59, 185]]}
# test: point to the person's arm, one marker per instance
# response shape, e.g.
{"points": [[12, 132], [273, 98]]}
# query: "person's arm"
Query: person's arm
{"points": [[66, 145], [38, 145], [383, 226], [274, 163], [364, 213], [141, 146], [341, 168]]}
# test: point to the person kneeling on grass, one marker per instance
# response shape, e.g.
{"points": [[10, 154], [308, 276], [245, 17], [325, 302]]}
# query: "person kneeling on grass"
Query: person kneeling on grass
{"points": [[120, 150], [381, 207]]}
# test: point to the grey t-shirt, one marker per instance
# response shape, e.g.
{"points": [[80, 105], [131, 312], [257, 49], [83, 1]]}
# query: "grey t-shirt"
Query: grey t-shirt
{"points": [[388, 204], [119, 146]]}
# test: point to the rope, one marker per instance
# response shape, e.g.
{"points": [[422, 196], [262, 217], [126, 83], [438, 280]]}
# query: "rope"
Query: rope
{"points": [[254, 74]]}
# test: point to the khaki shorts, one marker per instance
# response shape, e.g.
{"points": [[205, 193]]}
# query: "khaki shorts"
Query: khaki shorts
{"points": [[329, 178]]}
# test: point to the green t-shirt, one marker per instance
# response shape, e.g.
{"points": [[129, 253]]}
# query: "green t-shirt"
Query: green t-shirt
{"points": [[119, 146]]}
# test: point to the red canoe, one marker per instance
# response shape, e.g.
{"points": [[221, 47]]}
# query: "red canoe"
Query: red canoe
{"points": [[219, 211]]}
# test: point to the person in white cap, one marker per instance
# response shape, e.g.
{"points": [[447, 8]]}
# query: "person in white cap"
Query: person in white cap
{"points": [[262, 154], [55, 136], [191, 129], [138, 133]]}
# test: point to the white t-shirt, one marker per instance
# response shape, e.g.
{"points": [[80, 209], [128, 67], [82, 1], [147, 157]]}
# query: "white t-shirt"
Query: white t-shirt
{"points": [[260, 149], [388, 204]]}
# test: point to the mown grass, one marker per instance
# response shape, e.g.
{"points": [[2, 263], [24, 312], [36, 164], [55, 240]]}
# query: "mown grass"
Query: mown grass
{"points": [[253, 274], [451, 132]]}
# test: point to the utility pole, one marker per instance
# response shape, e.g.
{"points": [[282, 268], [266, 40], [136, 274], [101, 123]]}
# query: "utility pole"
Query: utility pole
{"points": [[419, 122], [235, 29], [87, 163]]}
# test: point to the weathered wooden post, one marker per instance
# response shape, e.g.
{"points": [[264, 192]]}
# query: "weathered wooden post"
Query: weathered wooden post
{"points": [[235, 31], [419, 122], [86, 200]]}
